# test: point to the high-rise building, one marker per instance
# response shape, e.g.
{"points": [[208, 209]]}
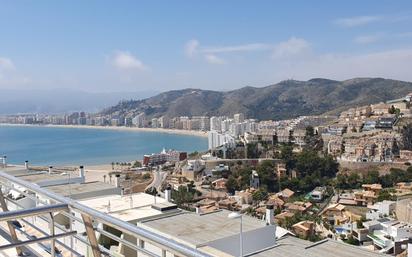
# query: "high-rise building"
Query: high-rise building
{"points": [[215, 123], [140, 120], [163, 122], [239, 117], [155, 123]]}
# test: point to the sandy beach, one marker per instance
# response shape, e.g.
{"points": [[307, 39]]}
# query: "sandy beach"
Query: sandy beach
{"points": [[133, 129]]}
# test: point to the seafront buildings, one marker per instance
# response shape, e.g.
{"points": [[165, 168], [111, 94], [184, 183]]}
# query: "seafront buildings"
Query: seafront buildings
{"points": [[363, 134]]}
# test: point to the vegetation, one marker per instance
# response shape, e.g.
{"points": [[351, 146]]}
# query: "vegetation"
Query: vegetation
{"points": [[298, 217], [312, 140], [385, 194], [260, 195], [252, 150], [407, 137], [283, 100], [313, 170], [184, 195], [151, 191], [351, 240], [353, 180], [193, 154], [136, 164], [146, 176], [232, 185]]}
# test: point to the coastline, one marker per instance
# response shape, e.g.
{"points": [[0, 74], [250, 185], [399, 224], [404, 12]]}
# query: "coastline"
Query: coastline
{"points": [[122, 128]]}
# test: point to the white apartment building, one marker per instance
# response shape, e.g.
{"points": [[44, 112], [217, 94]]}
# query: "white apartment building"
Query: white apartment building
{"points": [[239, 117], [155, 123], [216, 139], [140, 120], [216, 123]]}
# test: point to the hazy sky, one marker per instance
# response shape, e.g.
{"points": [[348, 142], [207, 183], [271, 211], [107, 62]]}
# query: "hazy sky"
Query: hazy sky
{"points": [[163, 45]]}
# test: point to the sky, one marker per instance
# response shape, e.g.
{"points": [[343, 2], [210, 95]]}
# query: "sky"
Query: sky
{"points": [[107, 46]]}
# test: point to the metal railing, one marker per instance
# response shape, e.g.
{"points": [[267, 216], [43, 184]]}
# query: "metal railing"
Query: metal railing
{"points": [[166, 245]]}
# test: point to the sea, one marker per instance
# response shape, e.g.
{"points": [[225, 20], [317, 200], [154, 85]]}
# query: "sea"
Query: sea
{"points": [[86, 146]]}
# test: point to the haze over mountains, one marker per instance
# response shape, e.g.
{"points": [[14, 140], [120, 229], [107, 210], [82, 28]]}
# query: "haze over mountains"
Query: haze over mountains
{"points": [[55, 101], [286, 99]]}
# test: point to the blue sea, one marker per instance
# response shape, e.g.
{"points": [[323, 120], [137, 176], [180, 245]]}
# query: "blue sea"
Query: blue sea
{"points": [[84, 146]]}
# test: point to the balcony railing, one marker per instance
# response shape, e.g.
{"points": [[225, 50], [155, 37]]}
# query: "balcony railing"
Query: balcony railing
{"points": [[90, 217]]}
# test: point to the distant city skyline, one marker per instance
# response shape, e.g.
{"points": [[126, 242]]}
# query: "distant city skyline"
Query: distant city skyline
{"points": [[135, 46]]}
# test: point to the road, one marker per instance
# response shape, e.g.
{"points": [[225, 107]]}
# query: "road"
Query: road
{"points": [[158, 178]]}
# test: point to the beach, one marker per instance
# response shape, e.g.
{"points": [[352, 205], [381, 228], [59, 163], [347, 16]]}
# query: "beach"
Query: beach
{"points": [[120, 128]]}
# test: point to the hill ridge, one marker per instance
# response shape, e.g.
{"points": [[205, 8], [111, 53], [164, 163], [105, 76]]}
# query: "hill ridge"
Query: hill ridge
{"points": [[283, 100]]}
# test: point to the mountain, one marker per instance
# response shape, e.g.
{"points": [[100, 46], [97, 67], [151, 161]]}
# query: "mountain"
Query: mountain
{"points": [[54, 101], [286, 99]]}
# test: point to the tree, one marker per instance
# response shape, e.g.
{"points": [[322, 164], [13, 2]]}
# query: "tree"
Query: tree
{"points": [[392, 110], [399, 175], [385, 195], [260, 195], [266, 175], [194, 154], [310, 131], [342, 181], [371, 177], [352, 240], [190, 186], [309, 162], [151, 191], [291, 137], [286, 154], [182, 196], [386, 180], [137, 164], [407, 137], [231, 185], [312, 140], [309, 138], [252, 150], [275, 139], [243, 178], [353, 180]]}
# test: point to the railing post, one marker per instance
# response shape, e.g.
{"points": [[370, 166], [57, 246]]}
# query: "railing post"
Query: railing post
{"points": [[52, 241], [88, 223], [10, 224], [140, 242]]}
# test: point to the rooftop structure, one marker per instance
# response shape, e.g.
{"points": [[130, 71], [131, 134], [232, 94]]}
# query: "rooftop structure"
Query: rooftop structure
{"points": [[84, 190]]}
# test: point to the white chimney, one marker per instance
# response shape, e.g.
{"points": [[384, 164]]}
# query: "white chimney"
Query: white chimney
{"points": [[81, 171], [168, 193], [5, 161], [26, 165], [117, 180], [198, 211], [50, 169], [269, 214]]}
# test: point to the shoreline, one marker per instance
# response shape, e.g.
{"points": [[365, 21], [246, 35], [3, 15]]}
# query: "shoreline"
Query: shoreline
{"points": [[120, 128]]}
